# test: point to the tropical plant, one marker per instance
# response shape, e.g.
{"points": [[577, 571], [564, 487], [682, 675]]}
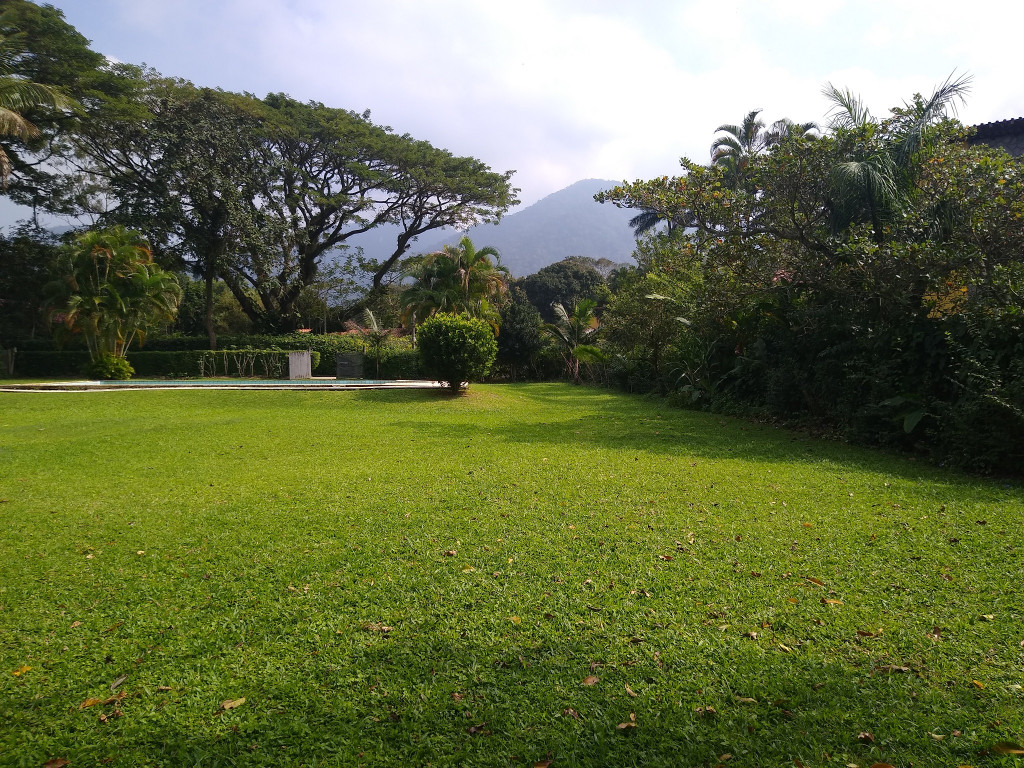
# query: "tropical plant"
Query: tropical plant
{"points": [[375, 336], [458, 278], [876, 183], [573, 332], [734, 151], [112, 293], [18, 95], [456, 349]]}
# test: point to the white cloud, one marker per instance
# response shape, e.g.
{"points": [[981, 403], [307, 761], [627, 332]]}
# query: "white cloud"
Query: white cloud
{"points": [[568, 89]]}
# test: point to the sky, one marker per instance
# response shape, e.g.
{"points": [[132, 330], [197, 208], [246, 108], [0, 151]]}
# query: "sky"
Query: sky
{"points": [[563, 90]]}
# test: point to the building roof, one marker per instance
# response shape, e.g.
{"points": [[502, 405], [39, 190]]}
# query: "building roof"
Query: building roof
{"points": [[1007, 134], [1011, 127]]}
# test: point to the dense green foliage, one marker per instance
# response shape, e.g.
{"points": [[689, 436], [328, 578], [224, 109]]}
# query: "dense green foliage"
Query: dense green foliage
{"points": [[111, 292], [364, 568], [457, 279], [30, 261], [107, 367], [567, 282], [456, 349], [869, 280], [520, 339]]}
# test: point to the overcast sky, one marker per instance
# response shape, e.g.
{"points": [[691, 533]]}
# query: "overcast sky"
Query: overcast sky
{"points": [[562, 90]]}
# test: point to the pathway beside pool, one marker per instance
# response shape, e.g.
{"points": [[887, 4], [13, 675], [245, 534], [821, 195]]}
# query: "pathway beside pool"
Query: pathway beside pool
{"points": [[314, 383]]}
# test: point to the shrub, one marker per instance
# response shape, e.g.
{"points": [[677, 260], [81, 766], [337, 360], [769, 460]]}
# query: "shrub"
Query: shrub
{"points": [[109, 368], [456, 349]]}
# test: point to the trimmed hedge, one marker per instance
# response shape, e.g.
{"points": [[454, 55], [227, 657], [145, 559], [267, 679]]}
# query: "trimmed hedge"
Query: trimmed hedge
{"points": [[264, 363]]}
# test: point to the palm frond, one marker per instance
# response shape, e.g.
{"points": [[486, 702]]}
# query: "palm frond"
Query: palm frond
{"points": [[847, 110]]}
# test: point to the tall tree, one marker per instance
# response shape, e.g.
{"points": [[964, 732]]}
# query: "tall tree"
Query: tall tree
{"points": [[259, 192], [18, 95], [184, 164]]}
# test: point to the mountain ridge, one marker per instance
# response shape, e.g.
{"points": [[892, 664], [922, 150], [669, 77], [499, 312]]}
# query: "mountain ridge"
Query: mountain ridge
{"points": [[565, 223]]}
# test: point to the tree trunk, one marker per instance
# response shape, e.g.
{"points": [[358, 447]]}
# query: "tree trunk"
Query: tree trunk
{"points": [[210, 332]]}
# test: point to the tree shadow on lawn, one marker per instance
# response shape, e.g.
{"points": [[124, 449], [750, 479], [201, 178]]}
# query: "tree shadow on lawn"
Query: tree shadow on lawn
{"points": [[630, 423], [418, 699]]}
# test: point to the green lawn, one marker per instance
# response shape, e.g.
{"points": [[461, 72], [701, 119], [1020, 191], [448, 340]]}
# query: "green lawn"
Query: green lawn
{"points": [[400, 578]]}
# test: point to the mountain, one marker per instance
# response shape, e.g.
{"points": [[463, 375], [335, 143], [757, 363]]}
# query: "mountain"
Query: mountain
{"points": [[565, 223]]}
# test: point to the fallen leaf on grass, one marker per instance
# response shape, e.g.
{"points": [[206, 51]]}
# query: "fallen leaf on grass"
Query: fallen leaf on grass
{"points": [[113, 626], [477, 728], [865, 633], [21, 671], [631, 723], [978, 684], [89, 703], [702, 711], [118, 682], [830, 601], [631, 692], [468, 569], [542, 763], [937, 736], [516, 620], [784, 648], [792, 600], [591, 679], [745, 700], [665, 557], [892, 668], [866, 737], [988, 617], [819, 582], [1007, 748], [232, 703], [570, 712], [76, 624], [883, 765], [373, 626], [163, 688], [57, 762]]}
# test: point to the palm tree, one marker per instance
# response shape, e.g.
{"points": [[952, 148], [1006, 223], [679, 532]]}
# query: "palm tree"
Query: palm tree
{"points": [[873, 185], [113, 293], [741, 143], [785, 129], [573, 332], [18, 95], [734, 150], [458, 278]]}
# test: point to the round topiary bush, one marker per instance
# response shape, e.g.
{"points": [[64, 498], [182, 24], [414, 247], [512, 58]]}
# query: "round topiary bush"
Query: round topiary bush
{"points": [[109, 368], [455, 349]]}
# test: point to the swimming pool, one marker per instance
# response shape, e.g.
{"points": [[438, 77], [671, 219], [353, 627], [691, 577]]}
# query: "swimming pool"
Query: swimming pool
{"points": [[320, 383]]}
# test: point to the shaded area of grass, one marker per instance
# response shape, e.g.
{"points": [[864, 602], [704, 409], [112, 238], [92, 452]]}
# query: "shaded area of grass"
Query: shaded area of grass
{"points": [[397, 578]]}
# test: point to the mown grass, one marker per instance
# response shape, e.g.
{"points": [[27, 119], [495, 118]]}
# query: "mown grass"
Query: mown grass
{"points": [[400, 578]]}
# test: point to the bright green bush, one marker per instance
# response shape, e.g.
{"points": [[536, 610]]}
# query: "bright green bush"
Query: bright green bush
{"points": [[456, 349], [109, 368]]}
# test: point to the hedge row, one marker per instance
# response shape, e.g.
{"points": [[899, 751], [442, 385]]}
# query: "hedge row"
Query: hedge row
{"points": [[397, 358], [249, 363]]}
